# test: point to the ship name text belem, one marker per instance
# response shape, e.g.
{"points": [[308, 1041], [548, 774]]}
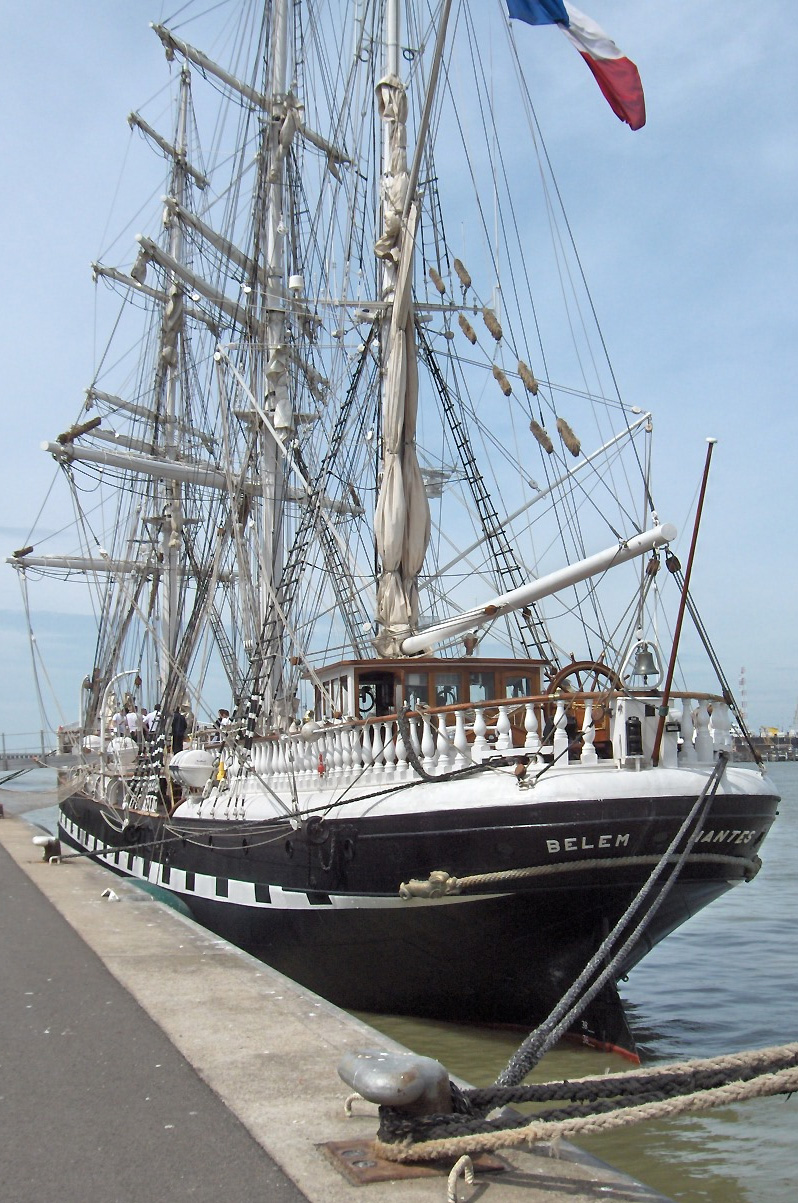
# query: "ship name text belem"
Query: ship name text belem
{"points": [[586, 843]]}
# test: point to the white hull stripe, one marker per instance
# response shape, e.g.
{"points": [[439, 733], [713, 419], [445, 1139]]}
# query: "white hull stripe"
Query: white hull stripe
{"points": [[243, 893]]}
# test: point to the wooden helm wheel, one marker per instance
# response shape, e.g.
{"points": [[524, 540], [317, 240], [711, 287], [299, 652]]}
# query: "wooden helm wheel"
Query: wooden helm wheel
{"points": [[587, 676]]}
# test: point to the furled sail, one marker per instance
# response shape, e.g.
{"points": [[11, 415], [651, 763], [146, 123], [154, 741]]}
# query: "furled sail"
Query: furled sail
{"points": [[402, 519]]}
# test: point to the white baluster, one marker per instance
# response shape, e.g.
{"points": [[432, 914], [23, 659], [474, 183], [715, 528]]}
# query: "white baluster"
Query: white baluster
{"points": [[481, 747], [504, 730], [310, 758], [389, 750], [296, 751], [285, 757], [669, 751], [377, 749], [415, 741], [703, 739], [337, 755], [687, 755], [346, 752], [366, 754], [329, 754], [560, 744], [589, 755], [356, 748], [414, 736], [428, 746], [402, 764], [288, 756], [319, 757], [720, 726], [278, 767], [532, 741], [300, 753], [463, 756], [444, 752]]}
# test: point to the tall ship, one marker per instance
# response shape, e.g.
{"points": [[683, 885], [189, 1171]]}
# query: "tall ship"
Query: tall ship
{"points": [[386, 682]]}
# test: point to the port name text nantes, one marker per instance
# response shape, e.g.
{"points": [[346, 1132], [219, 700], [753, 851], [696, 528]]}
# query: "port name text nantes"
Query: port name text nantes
{"points": [[583, 843]]}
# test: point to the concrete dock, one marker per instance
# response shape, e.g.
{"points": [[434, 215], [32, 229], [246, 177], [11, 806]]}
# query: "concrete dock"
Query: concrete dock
{"points": [[141, 1056]]}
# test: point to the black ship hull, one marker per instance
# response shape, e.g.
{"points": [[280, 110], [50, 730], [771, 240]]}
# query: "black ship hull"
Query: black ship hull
{"points": [[321, 903]]}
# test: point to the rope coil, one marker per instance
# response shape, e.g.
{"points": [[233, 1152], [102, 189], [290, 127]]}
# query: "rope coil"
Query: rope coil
{"points": [[599, 1104]]}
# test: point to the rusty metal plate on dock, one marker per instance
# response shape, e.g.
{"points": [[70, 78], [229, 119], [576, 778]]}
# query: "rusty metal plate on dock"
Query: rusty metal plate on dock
{"points": [[358, 1162]]}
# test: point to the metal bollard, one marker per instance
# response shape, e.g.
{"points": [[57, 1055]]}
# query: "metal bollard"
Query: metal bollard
{"points": [[50, 846], [418, 1085]]}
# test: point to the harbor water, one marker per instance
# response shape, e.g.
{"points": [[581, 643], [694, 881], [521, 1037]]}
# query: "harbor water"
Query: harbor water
{"points": [[725, 982]]}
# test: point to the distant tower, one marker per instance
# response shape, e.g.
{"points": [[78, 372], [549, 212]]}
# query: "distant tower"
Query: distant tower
{"points": [[743, 697]]}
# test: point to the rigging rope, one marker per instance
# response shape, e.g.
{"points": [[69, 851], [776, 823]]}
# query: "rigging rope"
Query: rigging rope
{"points": [[580, 994], [598, 1104]]}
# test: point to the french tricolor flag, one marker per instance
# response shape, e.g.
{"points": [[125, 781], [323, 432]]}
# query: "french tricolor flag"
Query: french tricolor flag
{"points": [[616, 75]]}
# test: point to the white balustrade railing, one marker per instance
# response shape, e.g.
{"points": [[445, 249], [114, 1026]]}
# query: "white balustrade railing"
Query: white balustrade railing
{"points": [[377, 752]]}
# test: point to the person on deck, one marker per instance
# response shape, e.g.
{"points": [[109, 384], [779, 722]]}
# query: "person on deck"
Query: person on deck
{"points": [[134, 726], [179, 727]]}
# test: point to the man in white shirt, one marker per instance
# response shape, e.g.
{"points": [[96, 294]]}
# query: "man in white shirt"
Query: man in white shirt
{"points": [[133, 720]]}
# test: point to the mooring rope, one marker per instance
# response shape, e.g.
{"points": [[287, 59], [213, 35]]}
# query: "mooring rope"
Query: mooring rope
{"points": [[607, 1102], [603, 965]]}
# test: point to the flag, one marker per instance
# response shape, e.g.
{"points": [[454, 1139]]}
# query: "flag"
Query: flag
{"points": [[615, 74], [538, 12]]}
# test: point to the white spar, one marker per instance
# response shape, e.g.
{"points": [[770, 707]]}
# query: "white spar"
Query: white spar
{"points": [[544, 586]]}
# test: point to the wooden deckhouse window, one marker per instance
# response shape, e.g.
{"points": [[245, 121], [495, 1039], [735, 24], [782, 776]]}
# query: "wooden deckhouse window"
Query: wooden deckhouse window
{"points": [[370, 688], [417, 689], [481, 686], [447, 688], [517, 686]]}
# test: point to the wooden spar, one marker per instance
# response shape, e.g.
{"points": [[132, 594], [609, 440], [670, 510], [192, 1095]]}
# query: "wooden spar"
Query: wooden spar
{"points": [[663, 711]]}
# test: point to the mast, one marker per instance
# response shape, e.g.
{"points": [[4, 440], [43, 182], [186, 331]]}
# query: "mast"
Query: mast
{"points": [[275, 381], [172, 526], [402, 518]]}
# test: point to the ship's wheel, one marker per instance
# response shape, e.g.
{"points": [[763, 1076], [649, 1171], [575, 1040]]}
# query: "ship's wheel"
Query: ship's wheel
{"points": [[585, 676], [588, 676]]}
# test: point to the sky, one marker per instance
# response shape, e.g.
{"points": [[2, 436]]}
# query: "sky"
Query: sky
{"points": [[688, 233]]}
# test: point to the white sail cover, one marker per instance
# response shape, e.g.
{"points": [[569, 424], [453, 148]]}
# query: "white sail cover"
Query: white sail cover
{"points": [[402, 519]]}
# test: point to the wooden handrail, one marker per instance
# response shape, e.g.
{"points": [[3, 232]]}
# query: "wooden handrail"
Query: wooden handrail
{"points": [[540, 699]]}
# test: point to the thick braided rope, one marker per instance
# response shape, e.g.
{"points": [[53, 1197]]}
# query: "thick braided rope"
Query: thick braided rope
{"points": [[456, 884], [747, 1064], [783, 1081], [583, 1098], [773, 1056]]}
